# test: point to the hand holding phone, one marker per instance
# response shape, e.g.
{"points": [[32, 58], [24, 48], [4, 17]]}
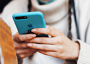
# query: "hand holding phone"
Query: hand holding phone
{"points": [[25, 22]]}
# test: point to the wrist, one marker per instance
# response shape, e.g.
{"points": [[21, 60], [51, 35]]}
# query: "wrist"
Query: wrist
{"points": [[76, 51]]}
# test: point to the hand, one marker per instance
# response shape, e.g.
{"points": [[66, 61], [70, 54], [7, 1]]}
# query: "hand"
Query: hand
{"points": [[20, 42], [58, 45]]}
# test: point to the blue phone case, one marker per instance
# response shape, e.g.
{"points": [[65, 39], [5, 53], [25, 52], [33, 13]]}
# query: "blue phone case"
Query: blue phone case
{"points": [[46, 2], [34, 20]]}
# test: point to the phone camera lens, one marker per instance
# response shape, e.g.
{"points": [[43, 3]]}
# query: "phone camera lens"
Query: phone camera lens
{"points": [[25, 17]]}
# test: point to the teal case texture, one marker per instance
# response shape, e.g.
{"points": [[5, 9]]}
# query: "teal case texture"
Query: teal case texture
{"points": [[33, 20], [46, 2]]}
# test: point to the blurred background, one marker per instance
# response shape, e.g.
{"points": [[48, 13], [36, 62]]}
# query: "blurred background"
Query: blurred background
{"points": [[3, 3]]}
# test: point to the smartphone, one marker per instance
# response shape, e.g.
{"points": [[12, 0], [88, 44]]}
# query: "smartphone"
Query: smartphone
{"points": [[27, 21], [45, 2]]}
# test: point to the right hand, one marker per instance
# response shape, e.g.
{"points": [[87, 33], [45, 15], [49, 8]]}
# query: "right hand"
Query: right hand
{"points": [[20, 42]]}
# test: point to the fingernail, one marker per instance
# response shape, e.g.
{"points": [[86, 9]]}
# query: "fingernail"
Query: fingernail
{"points": [[33, 35], [29, 45], [33, 30]]}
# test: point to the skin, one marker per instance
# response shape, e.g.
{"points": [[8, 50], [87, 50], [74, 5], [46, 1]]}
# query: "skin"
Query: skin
{"points": [[58, 45], [20, 42]]}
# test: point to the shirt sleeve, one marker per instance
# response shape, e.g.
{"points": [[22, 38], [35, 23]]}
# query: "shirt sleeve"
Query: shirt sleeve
{"points": [[84, 56]]}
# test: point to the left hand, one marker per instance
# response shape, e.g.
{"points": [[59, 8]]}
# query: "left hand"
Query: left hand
{"points": [[20, 43], [58, 45]]}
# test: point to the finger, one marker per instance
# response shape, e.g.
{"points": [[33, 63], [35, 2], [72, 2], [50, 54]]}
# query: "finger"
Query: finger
{"points": [[20, 45], [24, 55], [45, 40], [53, 54], [27, 41], [42, 46], [49, 31], [22, 51], [25, 37]]}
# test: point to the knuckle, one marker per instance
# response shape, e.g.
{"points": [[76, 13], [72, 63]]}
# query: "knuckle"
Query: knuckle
{"points": [[43, 40], [45, 47], [22, 56], [23, 46], [18, 39], [15, 36], [27, 41], [51, 27], [57, 54], [60, 33], [16, 45], [59, 41], [28, 37], [60, 49], [17, 52]]}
